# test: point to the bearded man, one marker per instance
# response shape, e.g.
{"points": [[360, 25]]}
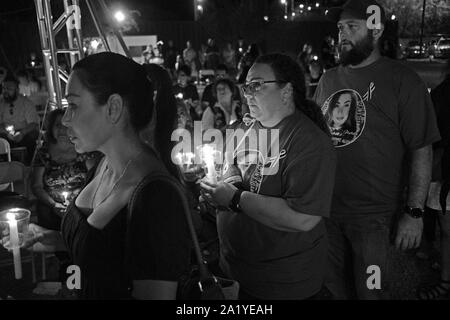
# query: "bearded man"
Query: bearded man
{"points": [[19, 121], [384, 160]]}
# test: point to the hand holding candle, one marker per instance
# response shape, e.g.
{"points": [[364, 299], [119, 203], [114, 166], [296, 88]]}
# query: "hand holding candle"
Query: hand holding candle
{"points": [[208, 155], [13, 226]]}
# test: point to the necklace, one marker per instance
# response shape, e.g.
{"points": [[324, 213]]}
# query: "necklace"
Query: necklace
{"points": [[115, 183]]}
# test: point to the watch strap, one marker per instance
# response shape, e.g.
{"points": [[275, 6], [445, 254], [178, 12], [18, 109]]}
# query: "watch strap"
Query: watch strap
{"points": [[234, 203]]}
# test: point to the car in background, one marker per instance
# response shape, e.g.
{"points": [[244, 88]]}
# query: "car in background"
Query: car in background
{"points": [[412, 50], [442, 48]]}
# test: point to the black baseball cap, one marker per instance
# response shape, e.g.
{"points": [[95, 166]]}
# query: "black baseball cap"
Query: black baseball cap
{"points": [[356, 9]]}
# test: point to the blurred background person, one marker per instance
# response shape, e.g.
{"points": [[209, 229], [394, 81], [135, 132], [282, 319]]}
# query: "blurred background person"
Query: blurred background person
{"points": [[226, 110], [19, 121], [186, 91], [437, 210], [28, 84]]}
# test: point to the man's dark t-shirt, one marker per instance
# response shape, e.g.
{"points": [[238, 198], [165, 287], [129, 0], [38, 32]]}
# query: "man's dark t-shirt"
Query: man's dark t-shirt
{"points": [[376, 114], [269, 263]]}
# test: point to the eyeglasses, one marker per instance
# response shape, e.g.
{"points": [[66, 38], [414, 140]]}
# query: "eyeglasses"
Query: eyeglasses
{"points": [[255, 86]]}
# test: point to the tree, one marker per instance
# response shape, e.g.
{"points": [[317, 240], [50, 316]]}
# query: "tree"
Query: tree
{"points": [[409, 16]]}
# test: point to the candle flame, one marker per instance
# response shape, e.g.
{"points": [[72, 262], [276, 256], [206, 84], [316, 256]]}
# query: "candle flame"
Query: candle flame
{"points": [[11, 216]]}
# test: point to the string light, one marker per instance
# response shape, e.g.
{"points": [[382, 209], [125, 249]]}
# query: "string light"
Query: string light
{"points": [[309, 8], [120, 17], [266, 18], [302, 6], [393, 17], [317, 4]]}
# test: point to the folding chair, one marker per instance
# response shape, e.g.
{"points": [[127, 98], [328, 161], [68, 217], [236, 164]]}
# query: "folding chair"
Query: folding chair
{"points": [[5, 152]]}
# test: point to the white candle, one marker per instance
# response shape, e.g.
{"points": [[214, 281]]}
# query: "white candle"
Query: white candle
{"points": [[65, 194], [10, 129], [14, 243], [208, 157]]}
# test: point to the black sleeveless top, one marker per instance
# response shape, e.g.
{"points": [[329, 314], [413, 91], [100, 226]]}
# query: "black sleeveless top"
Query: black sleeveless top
{"points": [[159, 244]]}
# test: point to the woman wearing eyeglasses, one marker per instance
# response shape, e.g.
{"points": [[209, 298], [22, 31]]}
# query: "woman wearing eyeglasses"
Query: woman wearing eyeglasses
{"points": [[272, 237]]}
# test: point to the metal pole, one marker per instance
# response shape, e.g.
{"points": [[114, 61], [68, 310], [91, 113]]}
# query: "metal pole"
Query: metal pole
{"points": [[292, 8], [78, 34], [69, 33], [44, 37], [195, 10], [53, 54], [423, 25], [97, 25]]}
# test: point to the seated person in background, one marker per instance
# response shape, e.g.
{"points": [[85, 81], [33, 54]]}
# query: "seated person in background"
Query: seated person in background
{"points": [[27, 85], [3, 73], [59, 173], [226, 111], [19, 121], [187, 92], [209, 98]]}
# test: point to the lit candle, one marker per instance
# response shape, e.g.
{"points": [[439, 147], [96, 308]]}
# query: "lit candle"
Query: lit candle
{"points": [[14, 243], [65, 194], [208, 152], [10, 129]]}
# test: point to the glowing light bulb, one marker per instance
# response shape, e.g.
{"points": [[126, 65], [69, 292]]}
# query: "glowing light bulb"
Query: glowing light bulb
{"points": [[120, 17]]}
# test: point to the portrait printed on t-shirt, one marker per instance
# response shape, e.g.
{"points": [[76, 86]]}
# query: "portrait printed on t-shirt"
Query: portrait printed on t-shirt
{"points": [[345, 114]]}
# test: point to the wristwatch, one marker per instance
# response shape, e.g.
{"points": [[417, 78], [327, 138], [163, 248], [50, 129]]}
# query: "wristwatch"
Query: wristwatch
{"points": [[234, 203], [415, 213]]}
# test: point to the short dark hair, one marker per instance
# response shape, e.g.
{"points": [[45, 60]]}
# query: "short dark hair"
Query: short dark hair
{"points": [[184, 68], [227, 82], [222, 67], [10, 78], [106, 73], [286, 70], [51, 121]]}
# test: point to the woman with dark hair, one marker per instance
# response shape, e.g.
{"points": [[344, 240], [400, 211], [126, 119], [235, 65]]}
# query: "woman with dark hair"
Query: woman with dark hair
{"points": [[59, 172], [226, 111], [272, 238], [126, 230], [159, 131], [247, 61], [342, 110]]}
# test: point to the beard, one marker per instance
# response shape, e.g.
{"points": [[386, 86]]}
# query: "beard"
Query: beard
{"points": [[359, 51]]}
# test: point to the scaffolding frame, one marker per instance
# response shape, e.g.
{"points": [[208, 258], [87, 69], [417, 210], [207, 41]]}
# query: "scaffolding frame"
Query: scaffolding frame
{"points": [[48, 29]]}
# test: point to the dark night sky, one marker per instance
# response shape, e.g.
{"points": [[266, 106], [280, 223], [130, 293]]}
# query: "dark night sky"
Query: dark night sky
{"points": [[150, 9]]}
